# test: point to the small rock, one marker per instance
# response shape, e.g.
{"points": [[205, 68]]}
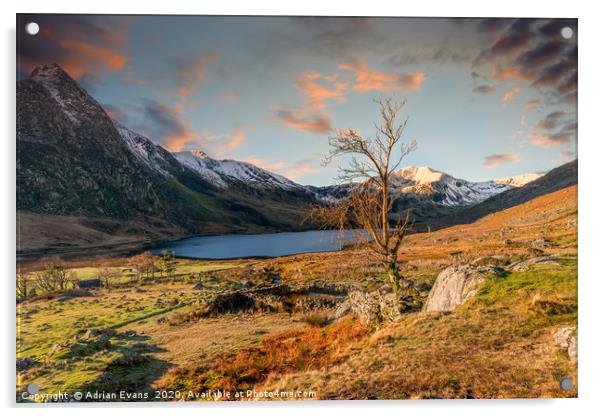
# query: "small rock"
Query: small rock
{"points": [[25, 363], [566, 338]]}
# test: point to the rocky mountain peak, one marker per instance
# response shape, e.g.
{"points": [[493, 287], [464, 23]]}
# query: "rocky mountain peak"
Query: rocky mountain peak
{"points": [[199, 154], [76, 103]]}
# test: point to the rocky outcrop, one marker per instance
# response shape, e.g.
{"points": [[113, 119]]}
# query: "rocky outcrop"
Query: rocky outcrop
{"points": [[374, 308], [281, 297], [455, 285], [566, 338]]}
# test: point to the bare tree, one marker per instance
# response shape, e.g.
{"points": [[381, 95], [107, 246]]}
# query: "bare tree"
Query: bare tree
{"points": [[373, 162], [143, 264], [55, 278], [166, 263], [106, 276], [22, 286]]}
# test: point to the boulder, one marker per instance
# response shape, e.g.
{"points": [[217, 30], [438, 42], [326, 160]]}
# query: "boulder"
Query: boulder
{"points": [[455, 285], [566, 338], [374, 308]]}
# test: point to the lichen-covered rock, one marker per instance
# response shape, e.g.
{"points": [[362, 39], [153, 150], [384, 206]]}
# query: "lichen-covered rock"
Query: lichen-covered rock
{"points": [[566, 338], [455, 285], [374, 308]]}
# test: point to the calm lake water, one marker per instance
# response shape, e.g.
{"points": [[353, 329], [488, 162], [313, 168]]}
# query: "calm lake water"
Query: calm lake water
{"points": [[257, 245]]}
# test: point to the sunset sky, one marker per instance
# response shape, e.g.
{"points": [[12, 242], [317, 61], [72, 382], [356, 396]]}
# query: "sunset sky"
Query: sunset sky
{"points": [[486, 98]]}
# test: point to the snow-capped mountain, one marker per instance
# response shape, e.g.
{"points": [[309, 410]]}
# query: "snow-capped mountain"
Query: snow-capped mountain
{"points": [[519, 180], [447, 190], [223, 173]]}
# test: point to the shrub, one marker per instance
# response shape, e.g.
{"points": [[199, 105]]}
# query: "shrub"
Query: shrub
{"points": [[316, 319]]}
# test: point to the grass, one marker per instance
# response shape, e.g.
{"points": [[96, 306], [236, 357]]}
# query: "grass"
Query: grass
{"points": [[279, 354]]}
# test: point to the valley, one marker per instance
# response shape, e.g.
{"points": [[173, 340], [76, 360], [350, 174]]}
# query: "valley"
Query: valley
{"points": [[176, 333]]}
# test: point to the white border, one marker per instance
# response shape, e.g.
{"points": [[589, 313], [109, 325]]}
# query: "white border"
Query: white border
{"points": [[589, 198]]}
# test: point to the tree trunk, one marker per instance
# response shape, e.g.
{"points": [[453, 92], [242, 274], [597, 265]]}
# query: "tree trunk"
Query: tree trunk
{"points": [[399, 283]]}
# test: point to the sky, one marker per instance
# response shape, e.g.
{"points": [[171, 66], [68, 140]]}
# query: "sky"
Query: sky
{"points": [[484, 98]]}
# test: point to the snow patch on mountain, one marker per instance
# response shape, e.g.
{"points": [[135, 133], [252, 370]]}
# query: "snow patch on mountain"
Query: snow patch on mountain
{"points": [[143, 148], [74, 101], [223, 172], [519, 180]]}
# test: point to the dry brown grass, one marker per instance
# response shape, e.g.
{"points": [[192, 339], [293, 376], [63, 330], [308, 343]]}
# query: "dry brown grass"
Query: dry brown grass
{"points": [[286, 352]]}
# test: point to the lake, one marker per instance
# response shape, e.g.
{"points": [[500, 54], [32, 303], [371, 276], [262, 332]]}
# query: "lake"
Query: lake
{"points": [[235, 246]]}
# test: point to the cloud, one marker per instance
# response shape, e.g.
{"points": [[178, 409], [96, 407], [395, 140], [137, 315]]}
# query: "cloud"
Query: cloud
{"points": [[566, 154], [129, 78], [509, 95], [549, 140], [367, 79], [565, 131], [532, 104], [314, 122], [167, 126], [541, 54], [552, 28], [293, 171], [513, 39], [484, 89], [232, 142], [492, 25], [191, 73], [551, 121], [93, 45], [554, 73], [502, 73], [495, 159], [312, 87], [115, 113], [533, 51]]}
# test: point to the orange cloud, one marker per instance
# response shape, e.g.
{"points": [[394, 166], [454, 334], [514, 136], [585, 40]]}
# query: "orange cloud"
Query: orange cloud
{"points": [[85, 56], [129, 78], [292, 171], [177, 143], [533, 104], [233, 142], [509, 95], [367, 79], [504, 73], [319, 122], [317, 94], [549, 140], [192, 72], [82, 47], [497, 159]]}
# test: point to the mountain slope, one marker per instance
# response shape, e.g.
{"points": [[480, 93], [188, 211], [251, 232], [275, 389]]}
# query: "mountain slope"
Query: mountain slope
{"points": [[556, 179], [73, 161]]}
